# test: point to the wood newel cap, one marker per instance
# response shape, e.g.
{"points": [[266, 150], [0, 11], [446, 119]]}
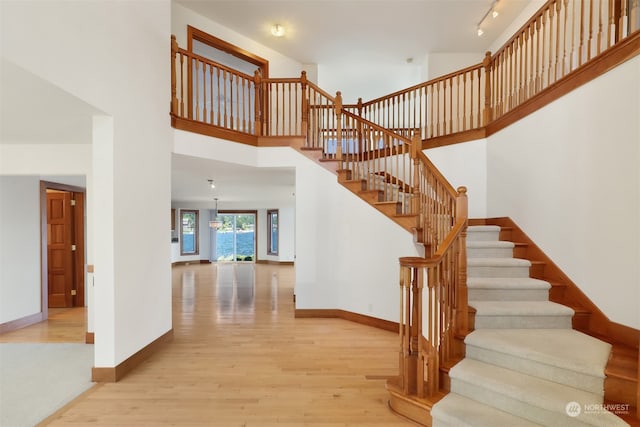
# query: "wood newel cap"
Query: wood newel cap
{"points": [[256, 76], [462, 191], [487, 59], [339, 100], [303, 77]]}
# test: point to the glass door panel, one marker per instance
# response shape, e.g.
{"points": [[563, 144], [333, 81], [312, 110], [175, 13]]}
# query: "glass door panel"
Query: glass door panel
{"points": [[235, 239]]}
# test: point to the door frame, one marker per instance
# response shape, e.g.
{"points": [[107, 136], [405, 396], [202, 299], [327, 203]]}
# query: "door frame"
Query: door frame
{"points": [[78, 264]]}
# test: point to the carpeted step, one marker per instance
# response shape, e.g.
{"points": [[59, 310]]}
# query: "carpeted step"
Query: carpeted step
{"points": [[498, 267], [483, 232], [535, 399], [455, 410], [507, 289], [523, 315], [489, 249], [564, 356]]}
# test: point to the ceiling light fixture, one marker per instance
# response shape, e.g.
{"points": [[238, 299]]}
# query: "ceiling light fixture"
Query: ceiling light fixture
{"points": [[492, 11], [211, 183], [216, 222], [277, 30]]}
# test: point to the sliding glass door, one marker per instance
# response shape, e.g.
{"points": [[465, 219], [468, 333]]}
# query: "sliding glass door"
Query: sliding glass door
{"points": [[236, 238]]}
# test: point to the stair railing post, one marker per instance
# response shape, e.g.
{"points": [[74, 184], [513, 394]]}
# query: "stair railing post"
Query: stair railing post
{"points": [[360, 130], [416, 145], [258, 113], [174, 98], [305, 107], [462, 308], [488, 114], [417, 326], [433, 315], [338, 109]]}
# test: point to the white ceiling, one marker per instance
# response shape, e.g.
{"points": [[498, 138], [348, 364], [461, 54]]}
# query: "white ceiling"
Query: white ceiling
{"points": [[319, 31], [329, 31], [235, 183]]}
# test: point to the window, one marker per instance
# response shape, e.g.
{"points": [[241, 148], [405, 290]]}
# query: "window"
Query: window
{"points": [[272, 235], [205, 44], [188, 232]]}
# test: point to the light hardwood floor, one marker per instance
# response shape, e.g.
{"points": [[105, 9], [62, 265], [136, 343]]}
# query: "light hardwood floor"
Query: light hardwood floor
{"points": [[240, 358], [64, 325]]}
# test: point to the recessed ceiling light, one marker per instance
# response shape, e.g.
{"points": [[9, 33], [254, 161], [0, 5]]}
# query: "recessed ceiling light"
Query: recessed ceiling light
{"points": [[277, 30]]}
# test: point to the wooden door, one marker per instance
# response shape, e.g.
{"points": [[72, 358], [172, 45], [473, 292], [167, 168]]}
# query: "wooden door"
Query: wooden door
{"points": [[59, 249]]}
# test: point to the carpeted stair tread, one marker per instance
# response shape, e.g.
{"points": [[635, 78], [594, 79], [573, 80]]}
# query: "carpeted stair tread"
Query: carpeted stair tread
{"points": [[482, 232], [498, 262], [564, 356], [455, 410], [535, 399], [490, 244], [489, 248], [507, 283], [568, 349], [522, 308]]}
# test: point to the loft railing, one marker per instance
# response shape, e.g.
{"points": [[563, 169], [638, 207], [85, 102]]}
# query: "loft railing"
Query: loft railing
{"points": [[232, 103], [560, 38], [446, 105]]}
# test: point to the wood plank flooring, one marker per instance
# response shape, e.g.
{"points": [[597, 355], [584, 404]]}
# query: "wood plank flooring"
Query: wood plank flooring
{"points": [[240, 358], [64, 325]]}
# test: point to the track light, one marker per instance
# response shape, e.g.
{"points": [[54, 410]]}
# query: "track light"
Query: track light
{"points": [[493, 12]]}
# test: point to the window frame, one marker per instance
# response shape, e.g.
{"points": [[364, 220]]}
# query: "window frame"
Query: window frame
{"points": [[206, 38], [270, 215], [196, 231]]}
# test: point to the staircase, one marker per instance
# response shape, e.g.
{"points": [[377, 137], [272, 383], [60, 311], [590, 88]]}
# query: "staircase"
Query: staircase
{"points": [[524, 363]]}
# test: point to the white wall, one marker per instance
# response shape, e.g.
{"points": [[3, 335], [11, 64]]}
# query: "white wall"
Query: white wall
{"points": [[465, 165], [20, 282], [367, 80], [440, 64], [279, 65], [569, 175], [121, 73]]}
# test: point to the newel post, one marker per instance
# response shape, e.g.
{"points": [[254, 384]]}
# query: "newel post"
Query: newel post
{"points": [[339, 125], [462, 316], [488, 115], [305, 105], [257, 81], [174, 98]]}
